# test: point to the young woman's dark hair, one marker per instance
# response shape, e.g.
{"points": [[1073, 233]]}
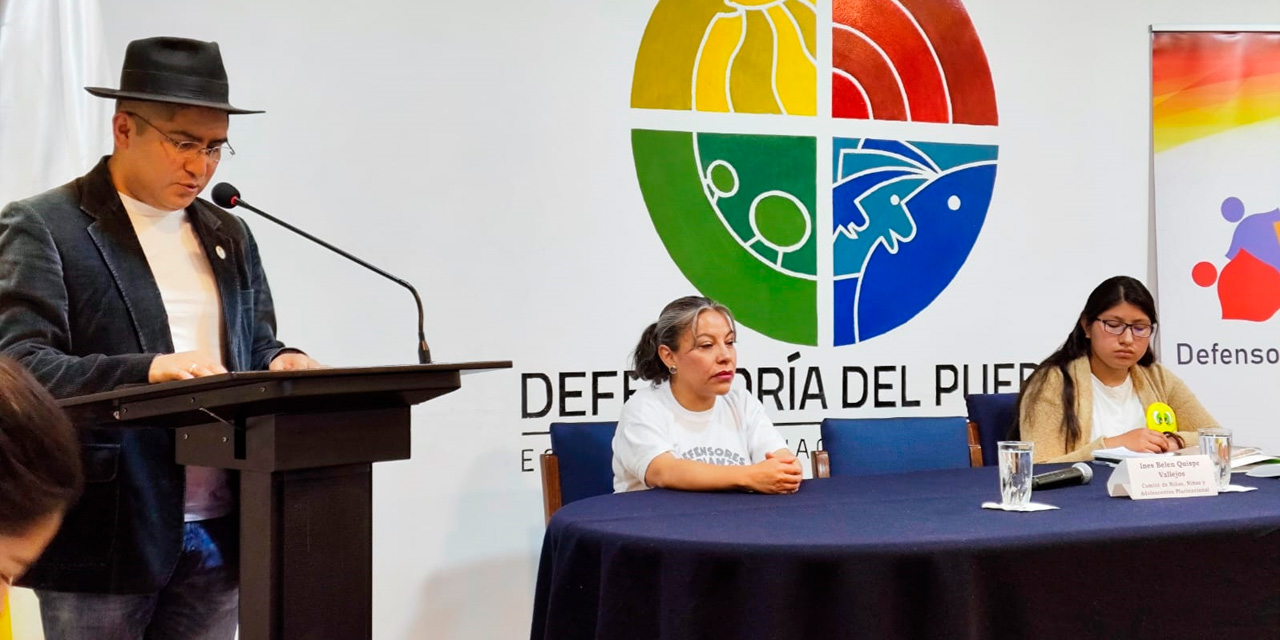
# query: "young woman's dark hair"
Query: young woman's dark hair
{"points": [[1110, 293], [676, 318], [40, 470]]}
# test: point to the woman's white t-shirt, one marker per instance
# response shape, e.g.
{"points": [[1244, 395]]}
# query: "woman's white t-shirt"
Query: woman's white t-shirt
{"points": [[1116, 410], [735, 431]]}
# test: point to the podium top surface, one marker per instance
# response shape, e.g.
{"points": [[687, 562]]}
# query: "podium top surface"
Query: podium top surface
{"points": [[256, 392]]}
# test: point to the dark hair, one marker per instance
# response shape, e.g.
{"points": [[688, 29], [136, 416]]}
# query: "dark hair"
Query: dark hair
{"points": [[1110, 293], [40, 470], [676, 318], [149, 108]]}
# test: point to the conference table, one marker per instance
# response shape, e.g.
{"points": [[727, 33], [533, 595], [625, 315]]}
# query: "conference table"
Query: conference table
{"points": [[912, 555]]}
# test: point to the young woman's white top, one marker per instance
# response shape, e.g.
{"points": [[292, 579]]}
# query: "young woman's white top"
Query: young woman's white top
{"points": [[1116, 410]]}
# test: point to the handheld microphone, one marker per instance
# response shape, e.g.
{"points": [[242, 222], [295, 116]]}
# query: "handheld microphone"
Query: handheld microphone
{"points": [[228, 197], [1078, 473]]}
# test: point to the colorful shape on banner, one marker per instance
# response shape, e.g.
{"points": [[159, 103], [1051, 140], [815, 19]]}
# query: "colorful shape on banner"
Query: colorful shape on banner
{"points": [[1204, 84], [1256, 234], [1248, 289], [737, 211], [1204, 274], [1232, 209]]}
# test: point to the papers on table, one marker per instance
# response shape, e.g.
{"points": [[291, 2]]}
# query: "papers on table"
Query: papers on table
{"points": [[1264, 471], [1235, 488], [1116, 454], [1240, 456], [1030, 506]]}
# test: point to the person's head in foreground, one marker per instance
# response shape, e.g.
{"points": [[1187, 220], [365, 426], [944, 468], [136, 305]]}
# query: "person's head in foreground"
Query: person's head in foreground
{"points": [[1093, 392], [691, 429], [40, 473]]}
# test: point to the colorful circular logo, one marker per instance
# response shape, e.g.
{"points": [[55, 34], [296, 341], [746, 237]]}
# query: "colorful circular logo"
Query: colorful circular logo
{"points": [[906, 122]]}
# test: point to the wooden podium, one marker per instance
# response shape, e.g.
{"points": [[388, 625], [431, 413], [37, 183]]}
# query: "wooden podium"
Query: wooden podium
{"points": [[304, 443]]}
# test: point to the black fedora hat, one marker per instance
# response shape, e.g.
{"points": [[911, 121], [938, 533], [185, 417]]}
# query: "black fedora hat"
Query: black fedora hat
{"points": [[174, 70]]}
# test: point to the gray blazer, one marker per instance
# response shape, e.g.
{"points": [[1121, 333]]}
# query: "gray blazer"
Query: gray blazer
{"points": [[81, 310]]}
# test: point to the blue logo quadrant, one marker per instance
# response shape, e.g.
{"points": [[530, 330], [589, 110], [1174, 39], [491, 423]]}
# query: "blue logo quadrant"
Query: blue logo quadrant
{"points": [[905, 216]]}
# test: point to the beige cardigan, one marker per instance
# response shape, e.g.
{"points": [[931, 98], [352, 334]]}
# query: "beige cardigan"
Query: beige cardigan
{"points": [[1040, 420]]}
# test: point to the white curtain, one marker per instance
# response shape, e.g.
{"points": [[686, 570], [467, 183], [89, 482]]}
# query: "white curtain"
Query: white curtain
{"points": [[51, 129]]}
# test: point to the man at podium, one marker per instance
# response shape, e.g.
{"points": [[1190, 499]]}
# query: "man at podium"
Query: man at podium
{"points": [[124, 277]]}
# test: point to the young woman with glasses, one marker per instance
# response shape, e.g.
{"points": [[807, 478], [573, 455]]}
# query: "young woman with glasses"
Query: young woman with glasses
{"points": [[1094, 391]]}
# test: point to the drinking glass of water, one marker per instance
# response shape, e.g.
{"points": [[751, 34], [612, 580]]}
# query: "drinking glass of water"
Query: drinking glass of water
{"points": [[1216, 443], [1015, 472]]}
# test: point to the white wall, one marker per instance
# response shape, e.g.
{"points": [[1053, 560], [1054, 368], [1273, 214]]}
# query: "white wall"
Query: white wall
{"points": [[482, 151]]}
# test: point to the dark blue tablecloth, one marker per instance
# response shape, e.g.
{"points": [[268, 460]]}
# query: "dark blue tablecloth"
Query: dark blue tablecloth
{"points": [[911, 556]]}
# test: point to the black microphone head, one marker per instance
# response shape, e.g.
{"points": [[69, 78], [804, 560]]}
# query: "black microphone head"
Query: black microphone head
{"points": [[225, 195]]}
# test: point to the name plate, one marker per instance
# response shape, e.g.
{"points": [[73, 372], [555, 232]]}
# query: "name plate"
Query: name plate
{"points": [[1169, 477]]}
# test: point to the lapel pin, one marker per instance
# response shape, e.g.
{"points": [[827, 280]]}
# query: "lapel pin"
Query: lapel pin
{"points": [[222, 253]]}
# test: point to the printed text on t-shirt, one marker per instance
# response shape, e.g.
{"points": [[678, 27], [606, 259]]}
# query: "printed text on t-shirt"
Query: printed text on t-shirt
{"points": [[714, 455]]}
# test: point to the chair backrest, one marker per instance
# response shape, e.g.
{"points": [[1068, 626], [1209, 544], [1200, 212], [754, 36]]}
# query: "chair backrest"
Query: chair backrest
{"points": [[994, 415], [582, 456], [866, 446]]}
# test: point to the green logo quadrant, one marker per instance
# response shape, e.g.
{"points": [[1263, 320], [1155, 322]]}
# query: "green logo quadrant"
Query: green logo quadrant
{"points": [[736, 214]]}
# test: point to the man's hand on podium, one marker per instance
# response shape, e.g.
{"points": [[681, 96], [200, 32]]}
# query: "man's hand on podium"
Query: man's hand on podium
{"points": [[183, 366], [194, 364], [293, 361]]}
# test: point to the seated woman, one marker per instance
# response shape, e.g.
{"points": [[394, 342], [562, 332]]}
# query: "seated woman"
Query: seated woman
{"points": [[1093, 392], [40, 473], [691, 429]]}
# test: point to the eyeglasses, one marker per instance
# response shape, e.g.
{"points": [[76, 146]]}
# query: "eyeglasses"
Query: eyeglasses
{"points": [[187, 148], [1115, 327]]}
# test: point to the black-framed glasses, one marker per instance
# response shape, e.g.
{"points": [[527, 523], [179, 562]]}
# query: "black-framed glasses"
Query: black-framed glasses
{"points": [[189, 149], [1139, 329]]}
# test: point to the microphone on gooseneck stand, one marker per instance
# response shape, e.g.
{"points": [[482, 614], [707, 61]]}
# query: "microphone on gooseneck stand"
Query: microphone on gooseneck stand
{"points": [[1078, 473], [228, 197]]}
